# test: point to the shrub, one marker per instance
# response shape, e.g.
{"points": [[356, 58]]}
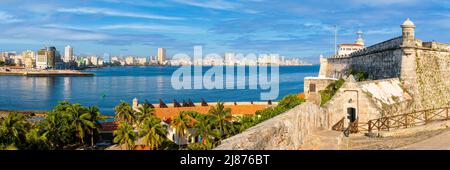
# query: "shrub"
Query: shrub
{"points": [[359, 75], [330, 91]]}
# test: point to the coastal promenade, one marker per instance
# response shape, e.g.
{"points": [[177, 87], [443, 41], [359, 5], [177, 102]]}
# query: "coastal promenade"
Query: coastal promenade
{"points": [[20, 71]]}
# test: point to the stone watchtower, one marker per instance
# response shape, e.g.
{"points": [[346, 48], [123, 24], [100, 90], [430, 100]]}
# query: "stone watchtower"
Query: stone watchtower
{"points": [[408, 61], [408, 28]]}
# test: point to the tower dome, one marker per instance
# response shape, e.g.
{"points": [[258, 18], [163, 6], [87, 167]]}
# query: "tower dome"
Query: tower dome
{"points": [[408, 23]]}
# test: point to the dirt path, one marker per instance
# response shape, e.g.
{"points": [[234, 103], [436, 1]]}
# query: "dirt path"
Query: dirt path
{"points": [[438, 142], [438, 139]]}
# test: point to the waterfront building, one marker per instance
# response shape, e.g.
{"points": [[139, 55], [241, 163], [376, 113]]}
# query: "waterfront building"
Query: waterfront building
{"points": [[142, 61], [161, 56], [114, 59], [46, 58], [68, 53], [86, 62], [101, 62], [7, 56], [129, 60], [29, 58], [94, 60], [17, 60]]}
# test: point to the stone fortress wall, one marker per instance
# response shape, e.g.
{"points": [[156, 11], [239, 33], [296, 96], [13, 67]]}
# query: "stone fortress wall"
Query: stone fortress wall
{"points": [[422, 70], [423, 67], [430, 84], [287, 131], [381, 61]]}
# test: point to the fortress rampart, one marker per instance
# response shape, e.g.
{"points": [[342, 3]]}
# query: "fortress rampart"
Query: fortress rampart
{"points": [[380, 61], [423, 67]]}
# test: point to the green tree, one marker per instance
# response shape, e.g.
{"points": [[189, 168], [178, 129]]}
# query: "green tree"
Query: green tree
{"points": [[220, 114], [80, 120], [203, 129], [36, 140], [290, 101], [145, 112], [124, 113], [13, 129], [125, 136], [181, 123], [153, 132], [95, 118], [200, 146], [57, 125]]}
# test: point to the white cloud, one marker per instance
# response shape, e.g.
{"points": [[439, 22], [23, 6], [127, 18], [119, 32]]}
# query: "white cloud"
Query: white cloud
{"points": [[383, 31], [141, 3], [44, 33], [384, 2], [157, 27], [6, 18], [213, 4], [109, 12]]}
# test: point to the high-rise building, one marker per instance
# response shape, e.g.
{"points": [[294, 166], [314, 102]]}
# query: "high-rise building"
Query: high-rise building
{"points": [[29, 59], [68, 53], [46, 58], [161, 55]]}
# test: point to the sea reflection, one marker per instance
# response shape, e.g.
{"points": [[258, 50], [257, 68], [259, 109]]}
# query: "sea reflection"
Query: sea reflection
{"points": [[111, 85]]}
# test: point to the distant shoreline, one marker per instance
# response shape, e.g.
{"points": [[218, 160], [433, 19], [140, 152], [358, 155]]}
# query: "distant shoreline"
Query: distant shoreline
{"points": [[5, 71], [35, 113]]}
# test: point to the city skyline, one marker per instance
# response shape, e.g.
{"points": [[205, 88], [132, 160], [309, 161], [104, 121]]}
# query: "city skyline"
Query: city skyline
{"points": [[252, 26]]}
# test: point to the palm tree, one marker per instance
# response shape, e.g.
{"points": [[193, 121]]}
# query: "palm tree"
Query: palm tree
{"points": [[95, 118], [203, 129], [153, 132], [181, 123], [81, 120], [219, 113], [125, 136], [13, 129], [124, 113], [36, 140], [145, 112]]}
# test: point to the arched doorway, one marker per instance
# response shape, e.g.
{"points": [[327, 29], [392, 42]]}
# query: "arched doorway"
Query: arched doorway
{"points": [[351, 114]]}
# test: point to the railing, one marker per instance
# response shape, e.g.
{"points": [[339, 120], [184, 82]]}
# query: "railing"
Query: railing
{"points": [[353, 127], [339, 126], [408, 120]]}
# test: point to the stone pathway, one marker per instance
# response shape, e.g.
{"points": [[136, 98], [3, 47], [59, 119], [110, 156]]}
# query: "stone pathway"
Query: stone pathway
{"points": [[438, 142], [324, 140], [423, 140]]}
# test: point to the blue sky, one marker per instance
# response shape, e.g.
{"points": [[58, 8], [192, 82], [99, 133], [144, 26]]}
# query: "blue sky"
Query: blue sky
{"points": [[294, 28]]}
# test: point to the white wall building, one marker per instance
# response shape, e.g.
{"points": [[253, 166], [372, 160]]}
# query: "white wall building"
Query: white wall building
{"points": [[68, 54]]}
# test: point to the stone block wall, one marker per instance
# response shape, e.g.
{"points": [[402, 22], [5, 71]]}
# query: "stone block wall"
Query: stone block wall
{"points": [[381, 61], [319, 83], [286, 131], [431, 88]]}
